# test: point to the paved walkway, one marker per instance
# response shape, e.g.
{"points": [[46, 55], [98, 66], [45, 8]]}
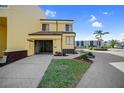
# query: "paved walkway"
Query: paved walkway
{"points": [[102, 74], [25, 73]]}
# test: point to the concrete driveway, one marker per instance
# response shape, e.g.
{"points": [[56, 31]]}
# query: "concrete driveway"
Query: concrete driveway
{"points": [[25, 73], [103, 73], [118, 52]]}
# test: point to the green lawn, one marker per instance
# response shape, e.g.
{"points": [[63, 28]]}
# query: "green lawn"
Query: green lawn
{"points": [[63, 73]]}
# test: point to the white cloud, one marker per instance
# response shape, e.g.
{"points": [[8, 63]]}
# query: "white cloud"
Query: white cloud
{"points": [[97, 24], [93, 18], [105, 13], [122, 34], [113, 36], [50, 13]]}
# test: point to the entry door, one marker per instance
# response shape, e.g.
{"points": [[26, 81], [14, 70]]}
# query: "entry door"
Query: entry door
{"points": [[48, 46], [43, 46]]}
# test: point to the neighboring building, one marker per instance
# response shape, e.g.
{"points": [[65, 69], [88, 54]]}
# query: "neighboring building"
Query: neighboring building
{"points": [[24, 28], [94, 43]]}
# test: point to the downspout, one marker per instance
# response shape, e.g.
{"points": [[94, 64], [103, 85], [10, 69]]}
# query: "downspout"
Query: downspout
{"points": [[74, 43], [61, 43]]}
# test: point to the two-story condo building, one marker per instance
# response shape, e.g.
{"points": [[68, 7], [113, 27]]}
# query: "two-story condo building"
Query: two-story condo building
{"points": [[25, 31], [55, 36]]}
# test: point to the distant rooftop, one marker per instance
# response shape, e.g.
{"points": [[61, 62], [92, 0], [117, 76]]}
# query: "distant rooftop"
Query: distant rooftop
{"points": [[88, 40]]}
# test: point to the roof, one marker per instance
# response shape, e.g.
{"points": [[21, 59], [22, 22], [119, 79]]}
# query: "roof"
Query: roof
{"points": [[56, 20], [51, 33]]}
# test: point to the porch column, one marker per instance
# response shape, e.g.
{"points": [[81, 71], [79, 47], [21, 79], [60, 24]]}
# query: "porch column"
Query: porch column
{"points": [[31, 48]]}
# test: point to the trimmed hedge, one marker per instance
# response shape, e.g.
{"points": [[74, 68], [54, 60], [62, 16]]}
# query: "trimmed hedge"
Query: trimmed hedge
{"points": [[100, 49]]}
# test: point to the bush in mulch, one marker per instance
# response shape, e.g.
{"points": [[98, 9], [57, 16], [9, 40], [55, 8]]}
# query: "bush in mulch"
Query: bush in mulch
{"points": [[86, 56], [85, 60], [90, 55]]}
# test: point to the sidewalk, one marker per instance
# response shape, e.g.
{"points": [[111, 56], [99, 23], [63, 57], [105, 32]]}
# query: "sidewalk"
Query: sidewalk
{"points": [[25, 73], [118, 52]]}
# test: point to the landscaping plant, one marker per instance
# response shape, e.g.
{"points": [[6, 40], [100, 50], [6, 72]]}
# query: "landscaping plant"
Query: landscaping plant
{"points": [[98, 35]]}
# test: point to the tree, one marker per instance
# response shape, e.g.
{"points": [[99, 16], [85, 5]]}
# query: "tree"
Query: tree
{"points": [[98, 35], [113, 43]]}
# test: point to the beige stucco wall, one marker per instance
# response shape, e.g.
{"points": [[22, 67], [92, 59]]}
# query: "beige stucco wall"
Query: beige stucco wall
{"points": [[31, 47], [59, 42], [57, 46], [64, 45], [56, 42], [56, 26], [3, 36], [21, 20], [59, 26], [52, 27]]}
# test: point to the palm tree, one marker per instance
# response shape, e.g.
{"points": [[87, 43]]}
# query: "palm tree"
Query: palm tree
{"points": [[99, 34], [113, 43]]}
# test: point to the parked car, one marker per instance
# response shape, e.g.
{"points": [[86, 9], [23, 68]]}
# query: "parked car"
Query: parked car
{"points": [[120, 47]]}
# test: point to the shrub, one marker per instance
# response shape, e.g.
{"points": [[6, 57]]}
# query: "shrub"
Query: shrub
{"points": [[100, 49], [58, 53], [90, 55], [86, 55], [91, 48]]}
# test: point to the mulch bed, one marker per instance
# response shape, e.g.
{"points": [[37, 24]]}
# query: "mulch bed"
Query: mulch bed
{"points": [[85, 60]]}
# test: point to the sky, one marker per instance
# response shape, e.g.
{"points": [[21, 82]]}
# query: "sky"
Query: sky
{"points": [[88, 19]]}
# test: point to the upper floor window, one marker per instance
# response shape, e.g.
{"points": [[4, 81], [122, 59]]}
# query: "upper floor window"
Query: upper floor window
{"points": [[68, 27], [3, 6], [45, 27]]}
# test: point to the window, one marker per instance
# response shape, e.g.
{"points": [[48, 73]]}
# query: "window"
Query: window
{"points": [[68, 27], [69, 40], [91, 43], [45, 27], [3, 6], [77, 43], [82, 43]]}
